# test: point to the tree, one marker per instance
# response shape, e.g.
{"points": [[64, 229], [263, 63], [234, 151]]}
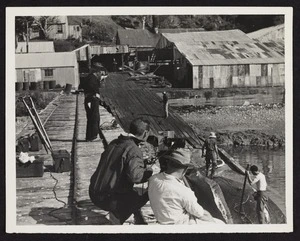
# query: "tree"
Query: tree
{"points": [[45, 24], [98, 32], [22, 25]]}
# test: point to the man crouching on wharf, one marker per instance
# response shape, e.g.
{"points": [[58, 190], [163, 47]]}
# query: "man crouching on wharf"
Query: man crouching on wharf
{"points": [[120, 167], [171, 200]]}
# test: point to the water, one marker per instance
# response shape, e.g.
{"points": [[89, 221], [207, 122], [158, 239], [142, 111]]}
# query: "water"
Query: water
{"points": [[271, 162]]}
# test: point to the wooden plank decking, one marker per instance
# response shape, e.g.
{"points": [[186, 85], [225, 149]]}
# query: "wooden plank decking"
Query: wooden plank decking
{"points": [[128, 101]]}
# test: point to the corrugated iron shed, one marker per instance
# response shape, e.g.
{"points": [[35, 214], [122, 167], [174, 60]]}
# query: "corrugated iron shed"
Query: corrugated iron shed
{"points": [[220, 48], [36, 47], [137, 38], [45, 60]]}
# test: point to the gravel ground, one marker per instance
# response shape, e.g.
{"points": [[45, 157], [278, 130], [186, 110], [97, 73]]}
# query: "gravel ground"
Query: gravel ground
{"points": [[240, 125]]}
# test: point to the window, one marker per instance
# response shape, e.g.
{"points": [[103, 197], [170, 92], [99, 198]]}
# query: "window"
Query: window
{"points": [[48, 72], [59, 28], [78, 29]]}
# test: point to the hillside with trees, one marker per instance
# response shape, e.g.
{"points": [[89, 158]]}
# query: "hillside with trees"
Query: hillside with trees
{"points": [[103, 29]]}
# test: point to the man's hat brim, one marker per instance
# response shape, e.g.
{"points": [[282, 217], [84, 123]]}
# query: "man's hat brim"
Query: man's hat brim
{"points": [[169, 158]]}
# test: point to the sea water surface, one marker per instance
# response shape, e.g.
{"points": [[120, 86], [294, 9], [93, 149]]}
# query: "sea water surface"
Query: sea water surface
{"points": [[271, 162]]}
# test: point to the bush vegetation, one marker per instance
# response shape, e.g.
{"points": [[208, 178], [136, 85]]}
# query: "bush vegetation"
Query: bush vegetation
{"points": [[40, 100]]}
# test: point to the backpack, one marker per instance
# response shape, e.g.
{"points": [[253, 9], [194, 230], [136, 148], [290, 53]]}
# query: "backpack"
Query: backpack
{"points": [[107, 177]]}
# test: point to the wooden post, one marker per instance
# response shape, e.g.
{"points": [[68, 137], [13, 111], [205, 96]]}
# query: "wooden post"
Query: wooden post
{"points": [[27, 37], [88, 57], [244, 186]]}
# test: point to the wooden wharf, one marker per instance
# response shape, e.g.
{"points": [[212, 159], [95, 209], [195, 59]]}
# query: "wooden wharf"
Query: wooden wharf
{"points": [[128, 100], [36, 202], [62, 198]]}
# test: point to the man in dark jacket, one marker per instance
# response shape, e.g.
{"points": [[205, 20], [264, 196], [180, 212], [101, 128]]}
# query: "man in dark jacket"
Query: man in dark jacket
{"points": [[120, 167], [91, 103]]}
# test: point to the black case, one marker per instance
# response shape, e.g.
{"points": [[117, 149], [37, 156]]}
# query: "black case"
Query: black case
{"points": [[62, 161], [34, 169], [35, 142], [23, 145]]}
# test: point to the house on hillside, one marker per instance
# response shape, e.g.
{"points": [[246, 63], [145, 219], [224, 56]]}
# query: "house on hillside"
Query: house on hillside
{"points": [[218, 59], [61, 67], [35, 47], [63, 27]]}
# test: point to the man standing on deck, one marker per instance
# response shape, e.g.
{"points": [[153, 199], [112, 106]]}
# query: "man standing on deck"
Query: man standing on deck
{"points": [[91, 103], [211, 153], [260, 197], [166, 104], [120, 167], [171, 200]]}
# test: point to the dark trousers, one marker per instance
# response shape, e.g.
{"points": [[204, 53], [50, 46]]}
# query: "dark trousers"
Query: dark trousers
{"points": [[261, 203], [93, 117], [211, 159], [122, 205]]}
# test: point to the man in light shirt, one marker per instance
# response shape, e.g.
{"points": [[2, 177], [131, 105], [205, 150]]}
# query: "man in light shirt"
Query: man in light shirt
{"points": [[171, 201], [261, 187]]}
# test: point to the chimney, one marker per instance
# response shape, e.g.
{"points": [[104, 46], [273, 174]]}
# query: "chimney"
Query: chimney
{"points": [[155, 20]]}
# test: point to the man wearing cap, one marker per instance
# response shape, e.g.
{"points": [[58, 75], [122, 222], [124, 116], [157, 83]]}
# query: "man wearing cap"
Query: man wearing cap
{"points": [[260, 197], [211, 153], [90, 87], [171, 201]]}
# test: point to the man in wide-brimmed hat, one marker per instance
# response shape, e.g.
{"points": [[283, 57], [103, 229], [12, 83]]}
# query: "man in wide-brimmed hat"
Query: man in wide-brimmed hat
{"points": [[171, 200], [211, 153]]}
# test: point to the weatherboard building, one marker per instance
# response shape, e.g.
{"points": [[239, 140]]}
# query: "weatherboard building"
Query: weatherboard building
{"points": [[218, 59]]}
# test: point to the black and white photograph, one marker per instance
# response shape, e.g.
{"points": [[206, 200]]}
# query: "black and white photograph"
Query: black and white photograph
{"points": [[156, 120]]}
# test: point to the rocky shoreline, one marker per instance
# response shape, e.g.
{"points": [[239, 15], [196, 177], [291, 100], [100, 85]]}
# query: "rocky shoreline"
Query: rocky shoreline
{"points": [[247, 125]]}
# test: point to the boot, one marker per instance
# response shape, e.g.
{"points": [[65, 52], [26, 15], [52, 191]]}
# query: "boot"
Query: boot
{"points": [[138, 218]]}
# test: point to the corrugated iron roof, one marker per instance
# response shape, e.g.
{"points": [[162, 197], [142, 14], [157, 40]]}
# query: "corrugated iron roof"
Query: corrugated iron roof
{"points": [[277, 46], [208, 36], [45, 60], [179, 30], [221, 48], [260, 33], [137, 38], [36, 47]]}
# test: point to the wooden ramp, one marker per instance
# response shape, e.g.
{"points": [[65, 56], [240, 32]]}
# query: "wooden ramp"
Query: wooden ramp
{"points": [[127, 101]]}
